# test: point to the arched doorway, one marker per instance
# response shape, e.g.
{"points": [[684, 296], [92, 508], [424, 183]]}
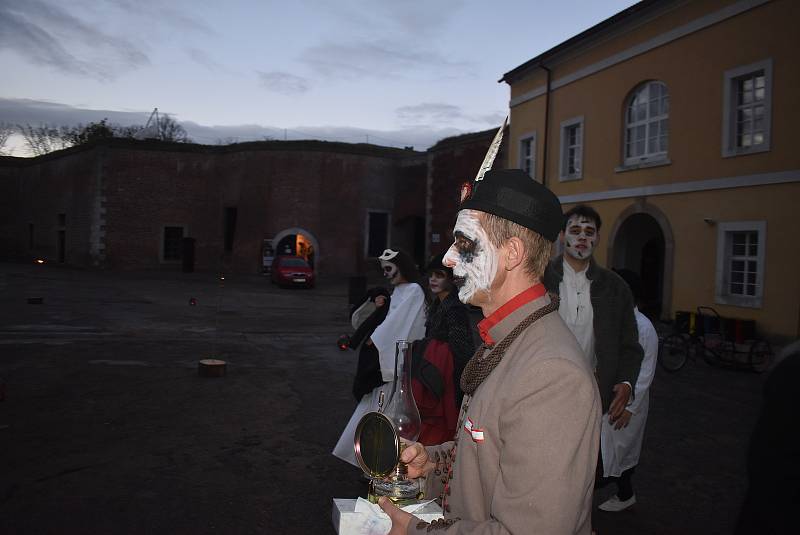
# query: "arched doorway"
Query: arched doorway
{"points": [[297, 242], [641, 241]]}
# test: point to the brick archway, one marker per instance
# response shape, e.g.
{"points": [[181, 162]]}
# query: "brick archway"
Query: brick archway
{"points": [[308, 236]]}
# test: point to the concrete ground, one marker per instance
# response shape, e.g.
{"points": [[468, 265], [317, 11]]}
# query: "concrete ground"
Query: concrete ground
{"points": [[106, 426]]}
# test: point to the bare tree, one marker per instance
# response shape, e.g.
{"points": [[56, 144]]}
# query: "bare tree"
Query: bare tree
{"points": [[6, 129], [80, 134], [171, 130], [46, 138], [43, 138]]}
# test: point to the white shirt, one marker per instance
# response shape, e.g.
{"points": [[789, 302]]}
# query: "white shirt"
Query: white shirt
{"points": [[576, 309], [404, 321]]}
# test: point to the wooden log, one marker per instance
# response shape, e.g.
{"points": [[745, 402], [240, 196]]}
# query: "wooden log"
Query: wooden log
{"points": [[211, 368]]}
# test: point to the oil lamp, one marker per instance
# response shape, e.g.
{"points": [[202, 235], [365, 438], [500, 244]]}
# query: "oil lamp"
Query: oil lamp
{"points": [[380, 436]]}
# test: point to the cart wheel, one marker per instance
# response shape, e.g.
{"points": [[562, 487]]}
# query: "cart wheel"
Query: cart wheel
{"points": [[760, 355], [673, 352]]}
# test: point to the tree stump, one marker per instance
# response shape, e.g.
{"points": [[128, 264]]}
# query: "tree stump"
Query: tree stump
{"points": [[211, 368]]}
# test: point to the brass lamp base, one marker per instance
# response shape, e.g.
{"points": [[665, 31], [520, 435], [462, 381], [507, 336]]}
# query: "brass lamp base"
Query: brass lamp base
{"points": [[397, 487], [401, 492]]}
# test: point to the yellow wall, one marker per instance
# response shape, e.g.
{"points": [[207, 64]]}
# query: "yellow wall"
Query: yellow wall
{"points": [[693, 69], [695, 252]]}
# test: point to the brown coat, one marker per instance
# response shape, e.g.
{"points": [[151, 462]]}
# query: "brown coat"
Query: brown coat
{"points": [[539, 411]]}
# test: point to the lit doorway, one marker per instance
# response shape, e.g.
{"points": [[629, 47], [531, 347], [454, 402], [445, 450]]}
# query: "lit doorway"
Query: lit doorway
{"points": [[297, 242]]}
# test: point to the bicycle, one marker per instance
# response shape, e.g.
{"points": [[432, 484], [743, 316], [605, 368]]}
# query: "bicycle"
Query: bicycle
{"points": [[709, 339]]}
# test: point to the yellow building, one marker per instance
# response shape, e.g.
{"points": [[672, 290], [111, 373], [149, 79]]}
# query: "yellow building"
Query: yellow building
{"points": [[678, 121]]}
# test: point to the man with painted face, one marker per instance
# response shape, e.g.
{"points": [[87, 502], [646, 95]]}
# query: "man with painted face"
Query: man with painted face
{"points": [[405, 320], [523, 459], [597, 306]]}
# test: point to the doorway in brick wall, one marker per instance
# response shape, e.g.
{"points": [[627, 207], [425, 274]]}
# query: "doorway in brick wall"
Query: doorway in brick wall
{"points": [[297, 242]]}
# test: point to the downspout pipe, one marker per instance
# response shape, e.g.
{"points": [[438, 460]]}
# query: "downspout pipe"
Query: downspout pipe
{"points": [[546, 126]]}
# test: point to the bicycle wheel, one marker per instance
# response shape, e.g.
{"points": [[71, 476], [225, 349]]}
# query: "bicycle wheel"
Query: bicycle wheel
{"points": [[760, 355], [673, 352]]}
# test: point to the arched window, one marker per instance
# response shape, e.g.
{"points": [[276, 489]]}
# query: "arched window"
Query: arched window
{"points": [[647, 123]]}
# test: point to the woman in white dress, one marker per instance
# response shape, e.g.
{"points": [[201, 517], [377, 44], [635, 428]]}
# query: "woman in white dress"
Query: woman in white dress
{"points": [[404, 321]]}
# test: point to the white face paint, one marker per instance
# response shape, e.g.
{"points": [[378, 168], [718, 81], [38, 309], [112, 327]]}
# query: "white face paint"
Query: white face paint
{"points": [[580, 237], [390, 271], [472, 256]]}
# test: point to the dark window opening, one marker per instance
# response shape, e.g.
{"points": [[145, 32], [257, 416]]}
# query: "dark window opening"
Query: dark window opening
{"points": [[230, 227], [378, 233], [62, 220], [173, 238], [62, 246]]}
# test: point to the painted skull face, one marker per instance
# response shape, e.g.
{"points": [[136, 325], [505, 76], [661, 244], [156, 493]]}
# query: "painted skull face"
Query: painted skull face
{"points": [[390, 271], [472, 256], [580, 237]]}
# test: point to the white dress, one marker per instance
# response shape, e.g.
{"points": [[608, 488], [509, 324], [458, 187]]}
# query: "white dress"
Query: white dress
{"points": [[404, 321], [621, 448]]}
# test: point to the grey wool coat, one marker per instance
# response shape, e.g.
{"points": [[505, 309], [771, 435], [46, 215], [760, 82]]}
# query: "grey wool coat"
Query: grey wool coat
{"points": [[529, 464], [616, 337]]}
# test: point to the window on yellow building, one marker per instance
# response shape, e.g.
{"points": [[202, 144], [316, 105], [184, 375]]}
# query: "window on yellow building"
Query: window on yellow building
{"points": [[571, 161], [740, 263], [527, 154], [647, 124], [747, 109]]}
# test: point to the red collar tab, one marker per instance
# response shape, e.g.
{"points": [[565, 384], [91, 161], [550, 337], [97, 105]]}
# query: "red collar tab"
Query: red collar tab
{"points": [[534, 292]]}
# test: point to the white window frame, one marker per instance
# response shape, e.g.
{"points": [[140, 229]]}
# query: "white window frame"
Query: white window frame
{"points": [[366, 230], [162, 240], [725, 257], [650, 122], [528, 160], [730, 108], [563, 165]]}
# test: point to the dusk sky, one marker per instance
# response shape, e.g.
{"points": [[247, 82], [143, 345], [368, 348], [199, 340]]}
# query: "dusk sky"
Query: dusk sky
{"points": [[392, 73]]}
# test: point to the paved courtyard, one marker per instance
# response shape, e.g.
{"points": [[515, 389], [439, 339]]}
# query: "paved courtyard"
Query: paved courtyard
{"points": [[106, 426]]}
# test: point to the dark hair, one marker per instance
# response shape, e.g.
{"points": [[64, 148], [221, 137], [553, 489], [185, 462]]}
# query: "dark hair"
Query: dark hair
{"points": [[585, 211], [633, 281], [406, 265], [435, 264]]}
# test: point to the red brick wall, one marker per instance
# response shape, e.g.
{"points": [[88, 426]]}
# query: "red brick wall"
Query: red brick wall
{"points": [[324, 188], [36, 191], [454, 161]]}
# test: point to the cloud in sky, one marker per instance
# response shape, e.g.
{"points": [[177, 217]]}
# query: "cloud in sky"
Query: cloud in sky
{"points": [[36, 112], [201, 57], [377, 59], [440, 113], [392, 67], [48, 35], [167, 13], [283, 82]]}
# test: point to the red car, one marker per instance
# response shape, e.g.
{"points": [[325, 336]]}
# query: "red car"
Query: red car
{"points": [[292, 271]]}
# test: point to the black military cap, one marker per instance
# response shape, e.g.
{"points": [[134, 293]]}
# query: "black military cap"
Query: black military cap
{"points": [[513, 195]]}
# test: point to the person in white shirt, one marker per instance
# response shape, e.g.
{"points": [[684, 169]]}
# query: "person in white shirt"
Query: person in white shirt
{"points": [[621, 442], [597, 306], [404, 321]]}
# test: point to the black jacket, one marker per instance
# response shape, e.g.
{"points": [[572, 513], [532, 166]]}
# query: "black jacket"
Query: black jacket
{"points": [[616, 337], [448, 321], [368, 370]]}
